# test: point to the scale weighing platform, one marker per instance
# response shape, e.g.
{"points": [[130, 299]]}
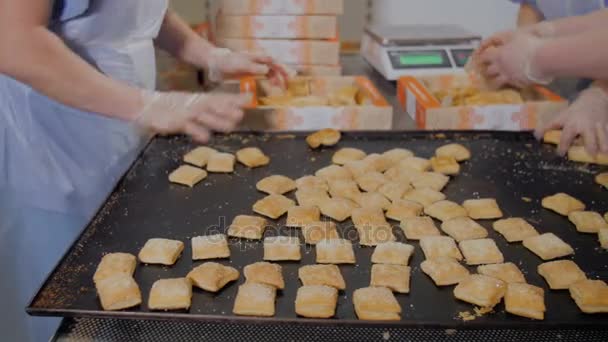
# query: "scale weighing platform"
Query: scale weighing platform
{"points": [[413, 50]]}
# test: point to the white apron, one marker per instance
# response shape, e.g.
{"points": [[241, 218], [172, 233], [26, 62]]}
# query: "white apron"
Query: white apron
{"points": [[57, 164]]}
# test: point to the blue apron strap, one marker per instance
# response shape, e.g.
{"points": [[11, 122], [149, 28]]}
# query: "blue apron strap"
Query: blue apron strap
{"points": [[64, 10]]}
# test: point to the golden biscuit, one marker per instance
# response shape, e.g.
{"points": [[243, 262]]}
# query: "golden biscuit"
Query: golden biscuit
{"points": [[444, 271], [265, 273], [161, 251], [394, 277], [316, 301], [273, 206], [562, 204], [199, 156], [400, 210], [335, 251], [247, 227], [481, 290], [252, 157], [481, 251], [378, 162], [118, 292], [221, 163], [394, 190], [397, 154], [300, 215], [439, 246], [375, 234], [548, 246], [212, 276], [602, 236], [445, 165], [415, 228], [445, 210], [187, 175], [367, 216], [602, 179], [276, 185], [358, 168], [587, 221], [376, 304], [328, 275], [431, 180], [325, 137], [415, 163], [514, 229], [170, 294], [371, 181], [210, 247], [345, 155], [311, 197], [463, 228], [580, 154], [456, 151], [255, 299], [115, 264], [392, 253], [552, 137], [334, 172], [373, 200], [507, 272], [321, 230], [426, 197], [338, 209], [560, 274], [344, 188], [281, 248], [591, 296], [482, 209], [525, 300], [312, 182]]}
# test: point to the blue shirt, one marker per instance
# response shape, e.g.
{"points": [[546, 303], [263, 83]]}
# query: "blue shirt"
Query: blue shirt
{"points": [[555, 9]]}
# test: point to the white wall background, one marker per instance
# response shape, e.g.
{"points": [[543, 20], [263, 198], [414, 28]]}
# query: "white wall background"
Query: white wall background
{"points": [[479, 16]]}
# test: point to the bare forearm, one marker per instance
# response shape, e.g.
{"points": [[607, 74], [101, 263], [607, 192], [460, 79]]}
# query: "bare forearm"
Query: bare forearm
{"points": [[579, 24], [178, 39], [528, 15], [583, 55], [40, 59]]}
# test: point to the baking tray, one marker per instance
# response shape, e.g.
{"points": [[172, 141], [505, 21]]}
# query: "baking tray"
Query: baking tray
{"points": [[508, 166]]}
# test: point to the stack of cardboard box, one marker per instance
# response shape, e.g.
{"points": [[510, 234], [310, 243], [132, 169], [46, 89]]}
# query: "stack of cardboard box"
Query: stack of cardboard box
{"points": [[302, 34]]}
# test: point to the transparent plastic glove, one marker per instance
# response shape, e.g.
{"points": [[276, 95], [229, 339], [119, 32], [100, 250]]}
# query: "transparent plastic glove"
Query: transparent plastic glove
{"points": [[224, 63], [513, 62], [196, 115], [586, 117]]}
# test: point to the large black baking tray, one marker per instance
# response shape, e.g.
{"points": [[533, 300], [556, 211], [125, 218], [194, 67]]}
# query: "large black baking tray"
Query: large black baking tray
{"points": [[511, 167]]}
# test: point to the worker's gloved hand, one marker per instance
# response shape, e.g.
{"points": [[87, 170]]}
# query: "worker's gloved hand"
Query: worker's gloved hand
{"points": [[223, 63], [196, 115], [512, 63], [586, 117]]}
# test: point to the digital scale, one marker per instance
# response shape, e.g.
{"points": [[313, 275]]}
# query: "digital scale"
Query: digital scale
{"points": [[413, 50]]}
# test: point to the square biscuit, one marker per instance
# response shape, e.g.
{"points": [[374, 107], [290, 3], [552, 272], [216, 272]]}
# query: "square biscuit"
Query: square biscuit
{"points": [[416, 163], [312, 182], [324, 137], [444, 271], [316, 301], [328, 275], [187, 175], [548, 246], [265, 273], [320, 230], [115, 264], [481, 290], [446, 165], [376, 304], [375, 234], [252, 157], [482, 209], [221, 163], [338, 209], [602, 179], [210, 247], [560, 274], [335, 251], [373, 200], [367, 216], [273, 206], [587, 221], [276, 185], [580, 154], [562, 204], [199, 156], [393, 190], [347, 154], [481, 251], [344, 188], [378, 162], [301, 215], [394, 277], [247, 227], [311, 197], [431, 180], [552, 137], [445, 210], [334, 172], [281, 248], [591, 296], [254, 299], [118, 292], [456, 151], [507, 272], [439, 246], [602, 236], [396, 155], [425, 196], [170, 294], [402, 173], [371, 181], [161, 251], [415, 228], [525, 300], [463, 228], [514, 229], [401, 210], [212, 276], [358, 168], [392, 253]]}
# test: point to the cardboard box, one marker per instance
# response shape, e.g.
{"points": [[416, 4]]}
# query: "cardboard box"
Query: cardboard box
{"points": [[277, 27], [319, 52], [317, 70], [378, 115], [281, 7], [416, 96]]}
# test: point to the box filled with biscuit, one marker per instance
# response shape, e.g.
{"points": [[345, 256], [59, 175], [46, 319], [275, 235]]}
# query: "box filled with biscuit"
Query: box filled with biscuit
{"points": [[311, 103], [456, 101]]}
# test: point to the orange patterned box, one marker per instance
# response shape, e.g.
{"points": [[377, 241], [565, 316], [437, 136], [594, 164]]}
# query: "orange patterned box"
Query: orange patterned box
{"points": [[277, 27], [281, 7], [319, 52], [415, 94], [376, 114]]}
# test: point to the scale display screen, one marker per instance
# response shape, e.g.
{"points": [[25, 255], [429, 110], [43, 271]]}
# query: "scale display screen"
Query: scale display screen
{"points": [[461, 56], [419, 59]]}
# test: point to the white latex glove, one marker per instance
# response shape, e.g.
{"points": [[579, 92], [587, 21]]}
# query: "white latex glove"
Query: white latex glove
{"points": [[512, 63], [196, 115], [586, 117], [224, 63]]}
